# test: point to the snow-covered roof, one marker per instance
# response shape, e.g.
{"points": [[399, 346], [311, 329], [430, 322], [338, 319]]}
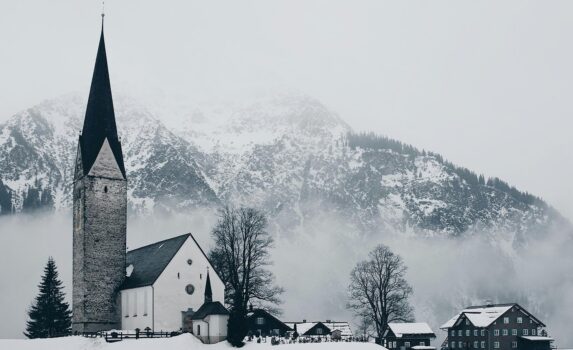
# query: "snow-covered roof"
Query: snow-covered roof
{"points": [[343, 327], [301, 327], [400, 329], [536, 338], [481, 316]]}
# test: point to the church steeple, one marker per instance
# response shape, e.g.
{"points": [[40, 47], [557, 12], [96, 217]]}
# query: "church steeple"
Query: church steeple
{"points": [[99, 122], [208, 290]]}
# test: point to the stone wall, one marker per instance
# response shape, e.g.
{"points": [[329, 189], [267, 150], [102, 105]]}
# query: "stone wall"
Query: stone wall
{"points": [[99, 244]]}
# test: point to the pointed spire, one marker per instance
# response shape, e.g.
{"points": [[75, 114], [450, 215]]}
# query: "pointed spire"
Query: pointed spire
{"points": [[208, 290], [99, 122]]}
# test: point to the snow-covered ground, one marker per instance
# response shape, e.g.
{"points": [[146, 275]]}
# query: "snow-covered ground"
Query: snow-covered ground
{"points": [[182, 342]]}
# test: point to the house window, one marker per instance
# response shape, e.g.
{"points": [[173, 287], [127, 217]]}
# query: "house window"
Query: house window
{"points": [[422, 343], [105, 189], [520, 320], [482, 344], [514, 344], [496, 345], [407, 344], [453, 346], [505, 332], [319, 331], [526, 331], [506, 320], [534, 331], [260, 320], [189, 261], [483, 332], [198, 329], [475, 332], [453, 333], [460, 345], [467, 322], [514, 332], [475, 344], [460, 333], [468, 333], [496, 332]]}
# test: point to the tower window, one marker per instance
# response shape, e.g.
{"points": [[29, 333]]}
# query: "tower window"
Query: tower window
{"points": [[105, 189]]}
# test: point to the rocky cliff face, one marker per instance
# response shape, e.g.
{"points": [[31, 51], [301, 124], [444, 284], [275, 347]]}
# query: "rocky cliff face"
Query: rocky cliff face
{"points": [[287, 154]]}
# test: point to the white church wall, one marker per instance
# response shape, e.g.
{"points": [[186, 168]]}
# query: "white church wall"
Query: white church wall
{"points": [[170, 292], [212, 329], [137, 308]]}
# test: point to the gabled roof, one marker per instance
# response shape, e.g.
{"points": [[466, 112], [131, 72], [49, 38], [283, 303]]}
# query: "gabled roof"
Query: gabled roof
{"points": [[414, 328], [207, 309], [150, 261], [303, 328], [343, 327], [99, 122], [264, 313], [484, 315]]}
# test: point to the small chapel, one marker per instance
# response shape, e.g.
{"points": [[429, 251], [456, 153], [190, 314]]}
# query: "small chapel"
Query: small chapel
{"points": [[165, 286]]}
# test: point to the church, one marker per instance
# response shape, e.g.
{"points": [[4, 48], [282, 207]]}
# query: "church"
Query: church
{"points": [[166, 286]]}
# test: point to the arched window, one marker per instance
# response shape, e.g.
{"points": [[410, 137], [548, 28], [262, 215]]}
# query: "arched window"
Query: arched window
{"points": [[198, 329], [105, 189]]}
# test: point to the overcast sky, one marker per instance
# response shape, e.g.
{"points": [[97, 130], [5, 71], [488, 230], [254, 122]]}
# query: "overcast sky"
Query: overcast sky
{"points": [[487, 84]]}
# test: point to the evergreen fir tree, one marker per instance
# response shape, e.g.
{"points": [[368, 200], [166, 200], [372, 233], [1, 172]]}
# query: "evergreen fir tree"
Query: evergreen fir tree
{"points": [[50, 316]]}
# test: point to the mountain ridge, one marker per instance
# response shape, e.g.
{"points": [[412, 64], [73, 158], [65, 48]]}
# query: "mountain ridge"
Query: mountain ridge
{"points": [[287, 154]]}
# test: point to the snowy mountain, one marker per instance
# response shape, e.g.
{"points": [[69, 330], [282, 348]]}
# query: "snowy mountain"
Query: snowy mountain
{"points": [[286, 153]]}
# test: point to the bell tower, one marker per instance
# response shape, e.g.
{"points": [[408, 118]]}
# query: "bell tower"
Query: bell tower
{"points": [[99, 210]]}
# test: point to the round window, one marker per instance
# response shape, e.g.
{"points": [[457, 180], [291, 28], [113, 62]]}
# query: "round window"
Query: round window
{"points": [[189, 289], [189, 261]]}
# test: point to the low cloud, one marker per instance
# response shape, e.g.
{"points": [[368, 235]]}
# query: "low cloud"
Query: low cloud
{"points": [[313, 263]]}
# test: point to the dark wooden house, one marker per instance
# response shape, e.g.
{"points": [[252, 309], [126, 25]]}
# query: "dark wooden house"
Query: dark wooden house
{"points": [[310, 329], [496, 327], [406, 336], [262, 323]]}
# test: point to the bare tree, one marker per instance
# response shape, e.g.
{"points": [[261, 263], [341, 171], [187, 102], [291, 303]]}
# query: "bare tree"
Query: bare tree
{"points": [[241, 256], [379, 291]]}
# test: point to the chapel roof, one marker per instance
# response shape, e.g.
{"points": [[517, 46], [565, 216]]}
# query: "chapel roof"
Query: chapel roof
{"points": [[211, 308], [149, 261]]}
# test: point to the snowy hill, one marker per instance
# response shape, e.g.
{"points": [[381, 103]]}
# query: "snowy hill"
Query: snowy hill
{"points": [[286, 153]]}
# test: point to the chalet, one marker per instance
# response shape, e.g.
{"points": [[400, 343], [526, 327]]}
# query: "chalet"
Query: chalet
{"points": [[406, 336], [262, 323], [496, 327], [310, 329], [342, 328]]}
